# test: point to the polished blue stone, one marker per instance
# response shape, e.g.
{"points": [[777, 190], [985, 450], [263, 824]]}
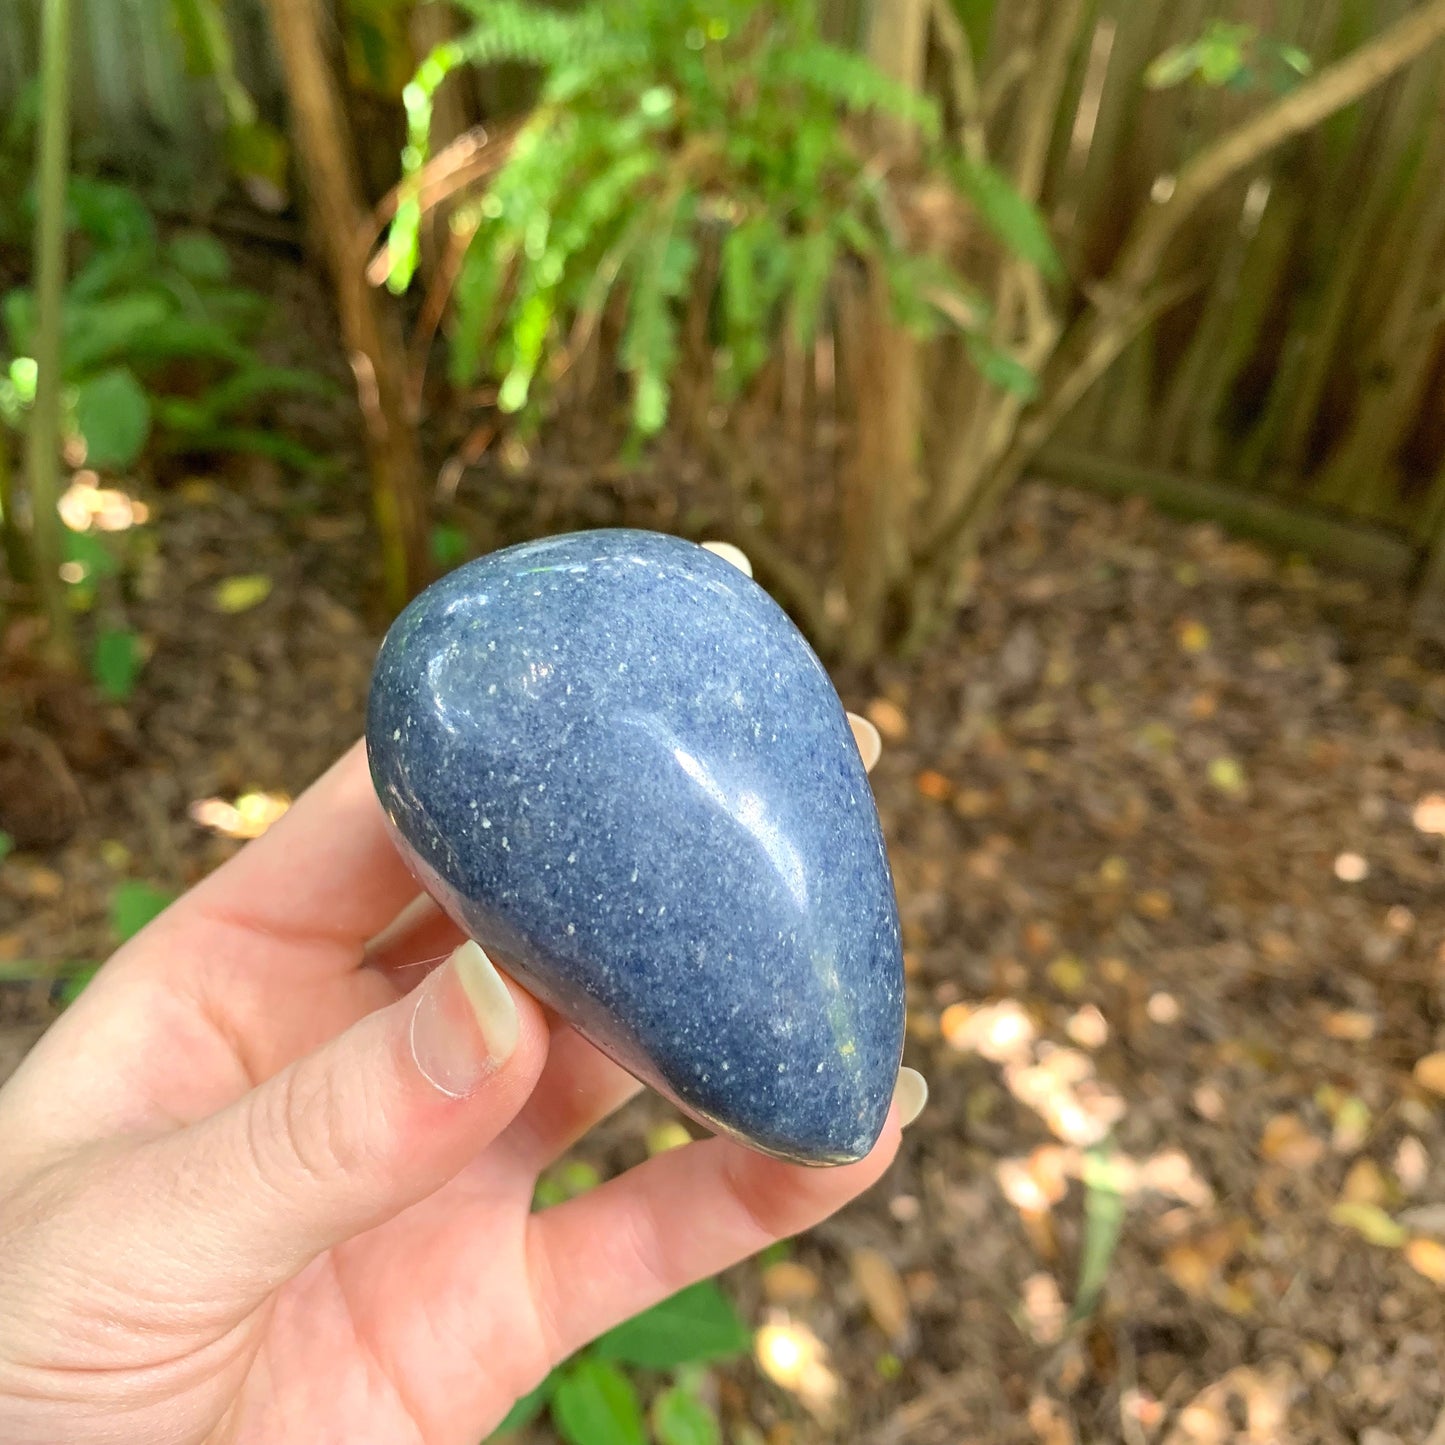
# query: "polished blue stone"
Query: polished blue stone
{"points": [[617, 764]]}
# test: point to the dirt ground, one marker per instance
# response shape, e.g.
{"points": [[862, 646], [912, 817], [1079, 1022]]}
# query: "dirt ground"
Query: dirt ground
{"points": [[1167, 818]]}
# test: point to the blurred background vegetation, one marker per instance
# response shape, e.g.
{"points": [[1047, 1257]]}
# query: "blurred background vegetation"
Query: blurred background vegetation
{"points": [[304, 301]]}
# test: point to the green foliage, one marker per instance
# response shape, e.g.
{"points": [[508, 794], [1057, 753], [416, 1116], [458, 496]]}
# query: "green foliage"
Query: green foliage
{"points": [[7, 845], [116, 662], [68, 978], [678, 144], [257, 152], [1104, 1207], [155, 344], [113, 414], [449, 546], [594, 1401], [1234, 56], [680, 1418], [596, 1404], [695, 1326], [135, 904]]}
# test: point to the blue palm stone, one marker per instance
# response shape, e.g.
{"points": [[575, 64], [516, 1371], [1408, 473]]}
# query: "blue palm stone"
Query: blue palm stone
{"points": [[617, 764]]}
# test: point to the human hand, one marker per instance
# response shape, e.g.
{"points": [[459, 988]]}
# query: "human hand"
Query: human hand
{"points": [[270, 1181]]}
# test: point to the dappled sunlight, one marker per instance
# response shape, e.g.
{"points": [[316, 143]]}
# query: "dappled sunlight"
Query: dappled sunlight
{"points": [[247, 816], [794, 1358], [85, 504]]}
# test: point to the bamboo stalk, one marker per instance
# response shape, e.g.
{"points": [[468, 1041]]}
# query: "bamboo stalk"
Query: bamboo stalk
{"points": [[1244, 317], [1181, 401], [1333, 88], [1098, 336], [1361, 472], [45, 417], [372, 335], [1346, 248]]}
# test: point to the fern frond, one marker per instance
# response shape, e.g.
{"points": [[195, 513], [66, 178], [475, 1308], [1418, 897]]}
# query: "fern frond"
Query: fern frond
{"points": [[511, 30], [852, 82], [817, 254], [649, 343]]}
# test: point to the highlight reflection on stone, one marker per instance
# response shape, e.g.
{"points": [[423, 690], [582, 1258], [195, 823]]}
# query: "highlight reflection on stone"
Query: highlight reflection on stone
{"points": [[616, 763]]}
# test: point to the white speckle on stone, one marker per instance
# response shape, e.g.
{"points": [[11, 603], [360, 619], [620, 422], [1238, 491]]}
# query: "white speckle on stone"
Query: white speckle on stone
{"points": [[571, 928], [491, 647], [506, 844], [819, 1069], [622, 667], [474, 805], [782, 1068], [571, 857], [491, 688], [634, 875], [661, 909], [396, 735], [486, 822]]}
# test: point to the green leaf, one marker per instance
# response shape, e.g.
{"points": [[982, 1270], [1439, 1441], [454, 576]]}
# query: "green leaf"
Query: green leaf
{"points": [[596, 1404], [1001, 368], [1104, 1206], [198, 257], [23, 374], [527, 1408], [116, 662], [113, 414], [1369, 1221], [133, 905], [91, 553], [680, 1418], [696, 1325], [1171, 67], [241, 594], [1011, 217], [75, 981], [109, 214], [449, 546]]}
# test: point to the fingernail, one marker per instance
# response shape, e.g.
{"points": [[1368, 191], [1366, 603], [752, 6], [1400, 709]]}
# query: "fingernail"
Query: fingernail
{"points": [[465, 1025], [870, 745], [910, 1093], [732, 554]]}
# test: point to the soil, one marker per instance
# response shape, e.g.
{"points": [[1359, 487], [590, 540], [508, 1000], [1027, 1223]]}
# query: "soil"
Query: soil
{"points": [[1175, 925]]}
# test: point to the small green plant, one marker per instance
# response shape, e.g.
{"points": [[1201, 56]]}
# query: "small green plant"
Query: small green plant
{"points": [[1233, 56], [686, 144], [155, 342], [133, 905], [594, 1400]]}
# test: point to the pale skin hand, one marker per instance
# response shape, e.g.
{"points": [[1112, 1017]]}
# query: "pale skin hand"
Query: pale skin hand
{"points": [[235, 1208]]}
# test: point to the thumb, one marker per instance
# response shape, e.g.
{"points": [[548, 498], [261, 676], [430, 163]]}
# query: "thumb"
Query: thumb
{"points": [[348, 1136]]}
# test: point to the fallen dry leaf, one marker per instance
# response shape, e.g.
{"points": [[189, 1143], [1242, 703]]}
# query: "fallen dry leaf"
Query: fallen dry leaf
{"points": [[1427, 1257], [789, 1283], [883, 1293], [1430, 1072], [933, 786], [1370, 1222], [1412, 1164], [1429, 814], [1044, 1308], [888, 718], [1049, 1422], [1287, 1140], [1349, 1025], [1364, 1184]]}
